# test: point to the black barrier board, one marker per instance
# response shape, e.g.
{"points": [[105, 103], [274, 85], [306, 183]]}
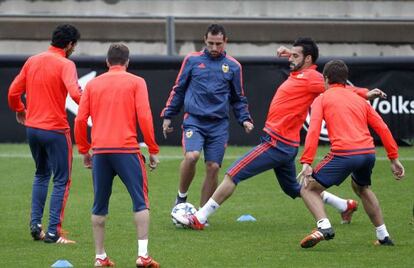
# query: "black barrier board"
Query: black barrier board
{"points": [[261, 75]]}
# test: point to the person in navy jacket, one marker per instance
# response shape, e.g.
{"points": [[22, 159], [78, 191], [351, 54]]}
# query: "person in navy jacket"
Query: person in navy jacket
{"points": [[209, 82]]}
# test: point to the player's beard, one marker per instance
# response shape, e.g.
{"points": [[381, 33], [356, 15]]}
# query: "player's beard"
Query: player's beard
{"points": [[215, 53], [296, 67], [69, 52]]}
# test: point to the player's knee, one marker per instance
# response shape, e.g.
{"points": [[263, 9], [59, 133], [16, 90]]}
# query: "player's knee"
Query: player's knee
{"points": [[98, 220], [212, 166], [362, 190], [192, 157], [358, 189], [293, 192]]}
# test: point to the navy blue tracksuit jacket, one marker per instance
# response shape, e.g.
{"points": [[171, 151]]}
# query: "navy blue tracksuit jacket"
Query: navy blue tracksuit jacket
{"points": [[207, 86]]}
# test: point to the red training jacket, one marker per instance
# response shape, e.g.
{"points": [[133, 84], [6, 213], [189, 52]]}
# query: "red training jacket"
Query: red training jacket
{"points": [[116, 101], [290, 104], [347, 118], [46, 78]]}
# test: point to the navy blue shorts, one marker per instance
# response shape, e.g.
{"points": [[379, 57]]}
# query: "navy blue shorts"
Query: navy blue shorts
{"points": [[210, 135], [130, 168], [270, 154], [334, 169]]}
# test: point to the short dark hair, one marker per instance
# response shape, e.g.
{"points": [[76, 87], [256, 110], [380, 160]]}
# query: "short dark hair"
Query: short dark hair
{"points": [[336, 71], [64, 34], [118, 54], [216, 29], [309, 47]]}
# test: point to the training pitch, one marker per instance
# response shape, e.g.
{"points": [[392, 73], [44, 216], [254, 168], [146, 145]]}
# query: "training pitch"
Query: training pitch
{"points": [[271, 241]]}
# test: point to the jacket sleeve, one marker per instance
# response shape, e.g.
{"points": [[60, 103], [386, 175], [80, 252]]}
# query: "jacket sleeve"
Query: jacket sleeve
{"points": [[81, 123], [16, 90], [144, 116], [176, 99], [312, 138], [378, 125], [362, 92], [316, 82], [70, 79], [237, 98]]}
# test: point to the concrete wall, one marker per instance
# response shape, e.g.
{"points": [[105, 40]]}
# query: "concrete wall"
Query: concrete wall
{"points": [[214, 8], [255, 28]]}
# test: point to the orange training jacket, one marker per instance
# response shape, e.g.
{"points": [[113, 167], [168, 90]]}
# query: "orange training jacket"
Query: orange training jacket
{"points": [[46, 78]]}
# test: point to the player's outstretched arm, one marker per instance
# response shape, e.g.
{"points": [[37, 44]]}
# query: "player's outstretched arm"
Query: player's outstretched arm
{"points": [[376, 93], [397, 169]]}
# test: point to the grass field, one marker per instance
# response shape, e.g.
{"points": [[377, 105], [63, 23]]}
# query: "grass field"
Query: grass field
{"points": [[271, 241]]}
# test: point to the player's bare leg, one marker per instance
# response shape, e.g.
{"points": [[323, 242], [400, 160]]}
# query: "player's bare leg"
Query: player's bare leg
{"points": [[142, 220], [311, 196], [98, 227], [187, 173], [210, 182], [224, 190], [373, 210], [370, 203]]}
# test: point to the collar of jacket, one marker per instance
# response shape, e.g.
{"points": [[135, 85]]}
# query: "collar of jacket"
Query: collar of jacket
{"points": [[57, 50], [117, 68]]}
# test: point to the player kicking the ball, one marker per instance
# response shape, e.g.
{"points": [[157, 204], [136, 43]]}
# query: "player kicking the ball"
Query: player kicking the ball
{"points": [[279, 146]]}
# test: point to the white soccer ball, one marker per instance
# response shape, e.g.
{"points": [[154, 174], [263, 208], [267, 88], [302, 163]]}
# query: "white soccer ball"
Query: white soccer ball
{"points": [[181, 210]]}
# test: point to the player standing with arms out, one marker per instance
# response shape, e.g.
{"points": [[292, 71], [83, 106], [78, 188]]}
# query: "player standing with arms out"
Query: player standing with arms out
{"points": [[46, 79], [352, 153], [116, 100], [209, 82], [279, 146]]}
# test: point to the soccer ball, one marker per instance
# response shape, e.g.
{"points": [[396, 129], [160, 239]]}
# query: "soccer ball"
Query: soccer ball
{"points": [[181, 210]]}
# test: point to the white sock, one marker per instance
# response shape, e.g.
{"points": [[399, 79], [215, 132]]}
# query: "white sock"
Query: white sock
{"points": [[209, 208], [381, 232], [335, 201], [324, 223], [182, 195], [143, 248], [101, 256]]}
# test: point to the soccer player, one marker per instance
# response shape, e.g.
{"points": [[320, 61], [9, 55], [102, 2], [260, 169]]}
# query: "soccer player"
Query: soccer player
{"points": [[209, 82], [352, 153], [279, 146], [117, 101], [46, 79]]}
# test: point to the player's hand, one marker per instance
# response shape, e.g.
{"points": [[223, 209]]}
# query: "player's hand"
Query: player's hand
{"points": [[87, 160], [397, 169], [283, 52], [305, 176], [376, 93], [21, 117], [248, 126], [166, 128], [153, 161]]}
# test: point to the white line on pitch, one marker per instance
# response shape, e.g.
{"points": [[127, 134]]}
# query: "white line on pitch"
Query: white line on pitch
{"points": [[175, 157]]}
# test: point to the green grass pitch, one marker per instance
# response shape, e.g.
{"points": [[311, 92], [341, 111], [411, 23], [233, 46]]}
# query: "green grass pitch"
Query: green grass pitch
{"points": [[271, 241]]}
